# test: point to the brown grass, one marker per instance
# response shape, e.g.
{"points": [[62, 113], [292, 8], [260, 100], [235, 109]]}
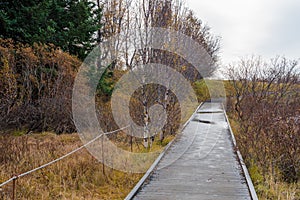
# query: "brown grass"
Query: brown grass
{"points": [[79, 176], [268, 187]]}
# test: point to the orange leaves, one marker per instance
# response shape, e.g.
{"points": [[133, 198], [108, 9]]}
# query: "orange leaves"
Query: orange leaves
{"points": [[36, 83]]}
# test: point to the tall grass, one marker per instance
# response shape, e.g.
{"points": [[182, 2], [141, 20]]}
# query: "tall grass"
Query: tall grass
{"points": [[79, 176], [269, 186]]}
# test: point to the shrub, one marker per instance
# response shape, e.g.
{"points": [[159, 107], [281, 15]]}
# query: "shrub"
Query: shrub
{"points": [[36, 87]]}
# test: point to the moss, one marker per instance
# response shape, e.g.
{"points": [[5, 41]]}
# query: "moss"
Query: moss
{"points": [[19, 132]]}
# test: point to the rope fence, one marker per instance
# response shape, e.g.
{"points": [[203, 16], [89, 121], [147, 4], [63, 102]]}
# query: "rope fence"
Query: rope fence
{"points": [[14, 178]]}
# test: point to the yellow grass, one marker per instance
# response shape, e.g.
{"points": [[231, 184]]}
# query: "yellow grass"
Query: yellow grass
{"points": [[79, 176]]}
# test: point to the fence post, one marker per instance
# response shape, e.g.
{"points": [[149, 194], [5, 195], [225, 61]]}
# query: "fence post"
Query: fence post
{"points": [[103, 166], [14, 189], [131, 138]]}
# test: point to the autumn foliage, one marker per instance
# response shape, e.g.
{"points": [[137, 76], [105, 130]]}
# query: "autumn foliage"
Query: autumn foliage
{"points": [[36, 87], [264, 103]]}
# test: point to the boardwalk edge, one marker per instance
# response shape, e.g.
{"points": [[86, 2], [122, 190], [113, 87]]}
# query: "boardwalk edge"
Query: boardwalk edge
{"points": [[241, 161], [153, 166]]}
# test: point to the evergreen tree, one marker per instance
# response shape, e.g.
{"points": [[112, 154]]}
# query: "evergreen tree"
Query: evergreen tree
{"points": [[69, 24]]}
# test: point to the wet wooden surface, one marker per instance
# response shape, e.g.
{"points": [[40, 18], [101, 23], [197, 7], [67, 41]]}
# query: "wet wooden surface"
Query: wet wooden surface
{"points": [[200, 164]]}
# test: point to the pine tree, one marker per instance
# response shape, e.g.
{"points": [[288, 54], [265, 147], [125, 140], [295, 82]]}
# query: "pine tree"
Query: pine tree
{"points": [[68, 24]]}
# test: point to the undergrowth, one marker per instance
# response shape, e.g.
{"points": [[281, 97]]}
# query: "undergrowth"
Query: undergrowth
{"points": [[79, 176]]}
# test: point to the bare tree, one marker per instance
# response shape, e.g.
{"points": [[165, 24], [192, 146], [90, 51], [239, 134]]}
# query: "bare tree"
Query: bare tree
{"points": [[264, 100], [125, 16]]}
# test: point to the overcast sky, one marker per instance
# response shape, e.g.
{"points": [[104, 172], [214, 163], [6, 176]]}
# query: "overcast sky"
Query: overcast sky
{"points": [[261, 27]]}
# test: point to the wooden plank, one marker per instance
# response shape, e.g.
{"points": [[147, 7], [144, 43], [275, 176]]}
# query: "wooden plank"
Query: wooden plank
{"points": [[150, 170], [200, 164]]}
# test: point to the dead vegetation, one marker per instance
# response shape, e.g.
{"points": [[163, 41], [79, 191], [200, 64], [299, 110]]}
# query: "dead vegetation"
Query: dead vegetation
{"points": [[264, 105], [78, 176]]}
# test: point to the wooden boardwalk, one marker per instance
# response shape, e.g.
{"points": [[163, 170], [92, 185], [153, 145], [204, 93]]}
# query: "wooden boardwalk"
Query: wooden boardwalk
{"points": [[201, 164]]}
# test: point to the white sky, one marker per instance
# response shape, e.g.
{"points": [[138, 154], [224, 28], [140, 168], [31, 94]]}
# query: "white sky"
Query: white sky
{"points": [[260, 27]]}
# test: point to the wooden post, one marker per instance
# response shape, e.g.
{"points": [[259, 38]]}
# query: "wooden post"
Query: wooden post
{"points": [[103, 166], [14, 189], [131, 138], [131, 143]]}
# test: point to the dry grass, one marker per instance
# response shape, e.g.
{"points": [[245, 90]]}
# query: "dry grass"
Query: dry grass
{"points": [[277, 190], [79, 176], [268, 187]]}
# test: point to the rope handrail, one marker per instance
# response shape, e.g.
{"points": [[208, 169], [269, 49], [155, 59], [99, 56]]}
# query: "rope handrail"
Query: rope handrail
{"points": [[60, 158]]}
